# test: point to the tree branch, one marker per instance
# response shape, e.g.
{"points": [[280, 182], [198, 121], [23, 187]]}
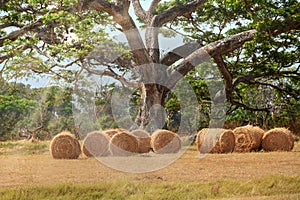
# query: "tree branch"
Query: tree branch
{"points": [[224, 71], [211, 50], [9, 24], [229, 86], [152, 43], [15, 34], [245, 79], [276, 88], [249, 78], [180, 52], [52, 60], [244, 106], [230, 43], [178, 10], [100, 5], [286, 26], [119, 11], [123, 62], [111, 73], [153, 6], [139, 11], [11, 55]]}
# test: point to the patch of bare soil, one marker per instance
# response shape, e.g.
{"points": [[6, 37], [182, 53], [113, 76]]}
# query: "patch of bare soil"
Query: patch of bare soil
{"points": [[43, 169]]}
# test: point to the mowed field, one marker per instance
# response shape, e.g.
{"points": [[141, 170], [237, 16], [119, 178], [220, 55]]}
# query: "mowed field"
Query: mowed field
{"points": [[27, 171]]}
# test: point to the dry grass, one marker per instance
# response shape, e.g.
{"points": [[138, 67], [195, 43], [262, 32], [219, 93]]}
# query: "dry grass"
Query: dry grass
{"points": [[39, 169]]}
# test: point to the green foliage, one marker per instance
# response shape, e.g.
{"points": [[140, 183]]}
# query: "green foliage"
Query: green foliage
{"points": [[173, 106], [62, 39], [13, 107], [53, 110], [265, 71], [22, 106]]}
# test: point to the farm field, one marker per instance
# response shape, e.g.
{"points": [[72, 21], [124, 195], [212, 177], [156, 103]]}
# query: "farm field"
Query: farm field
{"points": [[28, 171]]}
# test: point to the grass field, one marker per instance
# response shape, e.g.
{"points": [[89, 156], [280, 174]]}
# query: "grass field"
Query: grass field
{"points": [[271, 187], [28, 171]]}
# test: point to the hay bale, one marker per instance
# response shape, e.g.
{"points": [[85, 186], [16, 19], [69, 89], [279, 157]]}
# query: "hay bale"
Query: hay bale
{"points": [[65, 146], [111, 132], [96, 144], [278, 139], [215, 141], [123, 144], [144, 140], [163, 141], [248, 138]]}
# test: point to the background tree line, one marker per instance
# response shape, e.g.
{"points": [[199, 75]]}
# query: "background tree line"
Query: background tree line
{"points": [[51, 107]]}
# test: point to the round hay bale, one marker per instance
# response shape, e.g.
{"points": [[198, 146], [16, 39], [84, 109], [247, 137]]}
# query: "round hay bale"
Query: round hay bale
{"points": [[215, 141], [163, 141], [144, 140], [65, 146], [96, 144], [248, 138], [200, 139], [123, 144], [278, 139], [111, 132]]}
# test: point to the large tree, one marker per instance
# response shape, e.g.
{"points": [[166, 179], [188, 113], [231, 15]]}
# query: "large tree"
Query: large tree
{"points": [[39, 36]]}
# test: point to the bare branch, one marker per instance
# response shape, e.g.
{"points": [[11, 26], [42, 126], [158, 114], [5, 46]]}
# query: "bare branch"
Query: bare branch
{"points": [[249, 79], [178, 10], [230, 43], [245, 79], [211, 50], [153, 6], [162, 18], [139, 11], [119, 11], [77, 76], [124, 62], [9, 24], [54, 63], [288, 26], [152, 43], [281, 90], [224, 71], [100, 5], [10, 55], [15, 34], [179, 52], [111, 73], [275, 75], [244, 106]]}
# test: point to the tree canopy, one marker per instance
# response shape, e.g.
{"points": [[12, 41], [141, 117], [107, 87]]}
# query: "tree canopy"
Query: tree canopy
{"points": [[254, 45]]}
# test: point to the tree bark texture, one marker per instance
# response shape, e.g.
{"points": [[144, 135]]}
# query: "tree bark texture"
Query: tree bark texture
{"points": [[151, 115]]}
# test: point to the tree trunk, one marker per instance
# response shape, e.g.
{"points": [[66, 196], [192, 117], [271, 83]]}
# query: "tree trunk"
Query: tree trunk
{"points": [[151, 115]]}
